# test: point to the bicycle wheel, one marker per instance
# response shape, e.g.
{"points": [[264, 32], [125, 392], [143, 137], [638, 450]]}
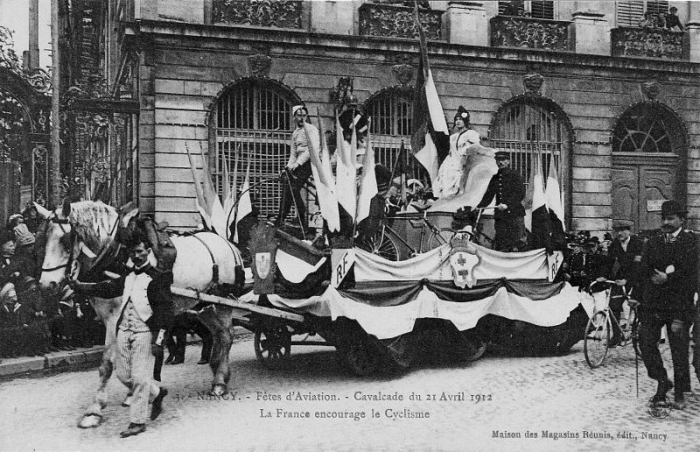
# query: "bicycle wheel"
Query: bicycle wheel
{"points": [[596, 338], [441, 237], [633, 324], [382, 245]]}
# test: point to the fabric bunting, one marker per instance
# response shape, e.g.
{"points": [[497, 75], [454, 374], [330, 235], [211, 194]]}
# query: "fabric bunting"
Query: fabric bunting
{"points": [[553, 195], [345, 173]]}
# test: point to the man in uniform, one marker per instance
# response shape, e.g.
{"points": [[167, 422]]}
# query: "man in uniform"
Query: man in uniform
{"points": [[508, 189], [298, 168], [625, 255], [669, 274], [146, 313]]}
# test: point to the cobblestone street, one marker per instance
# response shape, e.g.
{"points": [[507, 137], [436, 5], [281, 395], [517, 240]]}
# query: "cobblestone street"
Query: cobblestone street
{"points": [[462, 407]]}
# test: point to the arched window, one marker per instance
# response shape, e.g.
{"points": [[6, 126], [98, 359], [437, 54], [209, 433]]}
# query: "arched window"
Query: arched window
{"points": [[530, 125], [252, 126], [644, 128], [391, 111]]}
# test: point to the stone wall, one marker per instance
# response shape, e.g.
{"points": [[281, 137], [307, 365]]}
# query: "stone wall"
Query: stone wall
{"points": [[191, 66]]}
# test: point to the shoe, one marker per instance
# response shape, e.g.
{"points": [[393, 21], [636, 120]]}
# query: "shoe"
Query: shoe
{"points": [[679, 402], [133, 429], [658, 400], [157, 407], [203, 361], [169, 359], [177, 361], [664, 386]]}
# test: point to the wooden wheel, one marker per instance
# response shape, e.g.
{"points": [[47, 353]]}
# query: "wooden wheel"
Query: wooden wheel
{"points": [[273, 346]]}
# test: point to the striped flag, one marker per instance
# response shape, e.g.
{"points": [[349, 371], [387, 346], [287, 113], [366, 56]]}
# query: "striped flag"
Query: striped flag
{"points": [[553, 195], [245, 204], [199, 199], [430, 130], [345, 172], [323, 177], [368, 186], [212, 201]]}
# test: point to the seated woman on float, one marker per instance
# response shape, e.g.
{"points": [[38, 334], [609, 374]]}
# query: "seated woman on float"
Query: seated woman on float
{"points": [[465, 174]]}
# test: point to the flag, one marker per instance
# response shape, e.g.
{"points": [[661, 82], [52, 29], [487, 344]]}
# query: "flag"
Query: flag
{"points": [[345, 173], [199, 199], [553, 195], [212, 201], [245, 205], [323, 178], [229, 197], [537, 216], [430, 129], [368, 185]]}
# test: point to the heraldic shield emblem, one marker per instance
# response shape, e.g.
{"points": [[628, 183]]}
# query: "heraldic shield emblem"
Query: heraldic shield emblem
{"points": [[263, 248], [463, 260]]}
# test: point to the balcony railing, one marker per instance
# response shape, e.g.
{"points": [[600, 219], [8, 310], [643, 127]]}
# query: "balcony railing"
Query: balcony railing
{"points": [[259, 13], [392, 21], [526, 32], [649, 42]]}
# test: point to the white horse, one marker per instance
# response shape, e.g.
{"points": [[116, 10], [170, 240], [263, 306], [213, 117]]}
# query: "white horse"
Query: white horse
{"points": [[82, 235]]}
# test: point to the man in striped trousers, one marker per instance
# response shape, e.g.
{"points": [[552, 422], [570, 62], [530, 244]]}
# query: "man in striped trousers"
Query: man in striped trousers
{"points": [[146, 313]]}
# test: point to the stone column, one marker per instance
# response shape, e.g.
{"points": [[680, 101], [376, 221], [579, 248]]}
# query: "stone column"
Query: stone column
{"points": [[465, 23], [693, 30], [591, 33]]}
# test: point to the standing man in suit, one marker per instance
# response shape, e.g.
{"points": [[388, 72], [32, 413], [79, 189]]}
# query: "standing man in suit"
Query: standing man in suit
{"points": [[669, 275], [625, 255], [508, 189], [146, 313]]}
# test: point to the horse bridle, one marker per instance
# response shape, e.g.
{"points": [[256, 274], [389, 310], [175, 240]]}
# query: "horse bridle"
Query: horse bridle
{"points": [[61, 222]]}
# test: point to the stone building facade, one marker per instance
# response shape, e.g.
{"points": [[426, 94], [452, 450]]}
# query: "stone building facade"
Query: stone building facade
{"points": [[614, 104]]}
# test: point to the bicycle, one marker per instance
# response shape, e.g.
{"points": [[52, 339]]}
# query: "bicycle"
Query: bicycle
{"points": [[598, 330], [387, 241]]}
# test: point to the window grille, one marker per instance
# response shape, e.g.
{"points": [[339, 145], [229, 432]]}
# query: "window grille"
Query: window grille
{"points": [[643, 129], [253, 127], [631, 13], [524, 129], [392, 124]]}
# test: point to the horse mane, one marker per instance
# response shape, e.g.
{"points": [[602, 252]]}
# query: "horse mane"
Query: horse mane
{"points": [[93, 222]]}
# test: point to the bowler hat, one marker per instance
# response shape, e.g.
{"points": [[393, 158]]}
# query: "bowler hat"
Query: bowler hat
{"points": [[502, 155], [621, 225], [672, 207]]}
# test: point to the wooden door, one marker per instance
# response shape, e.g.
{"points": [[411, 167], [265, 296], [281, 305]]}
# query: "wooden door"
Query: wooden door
{"points": [[638, 189]]}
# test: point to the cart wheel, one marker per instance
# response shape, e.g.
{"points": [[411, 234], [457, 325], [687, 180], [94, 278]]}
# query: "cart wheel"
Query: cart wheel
{"points": [[273, 346], [596, 339], [362, 358]]}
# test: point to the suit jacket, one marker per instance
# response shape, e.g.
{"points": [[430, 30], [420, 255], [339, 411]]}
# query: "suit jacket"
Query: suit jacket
{"points": [[157, 293], [508, 188], [628, 262], [673, 299]]}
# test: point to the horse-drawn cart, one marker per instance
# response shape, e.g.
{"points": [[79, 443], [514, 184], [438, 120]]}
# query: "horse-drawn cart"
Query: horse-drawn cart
{"points": [[448, 302]]}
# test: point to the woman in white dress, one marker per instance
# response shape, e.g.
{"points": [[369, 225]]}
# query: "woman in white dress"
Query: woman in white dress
{"points": [[450, 176]]}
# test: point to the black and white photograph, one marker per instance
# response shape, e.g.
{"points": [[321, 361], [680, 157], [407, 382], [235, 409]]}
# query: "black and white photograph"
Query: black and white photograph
{"points": [[349, 225]]}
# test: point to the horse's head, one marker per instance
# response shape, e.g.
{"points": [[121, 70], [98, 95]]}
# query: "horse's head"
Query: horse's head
{"points": [[70, 237]]}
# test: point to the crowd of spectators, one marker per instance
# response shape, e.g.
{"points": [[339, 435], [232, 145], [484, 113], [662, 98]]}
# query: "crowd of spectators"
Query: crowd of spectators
{"points": [[30, 324]]}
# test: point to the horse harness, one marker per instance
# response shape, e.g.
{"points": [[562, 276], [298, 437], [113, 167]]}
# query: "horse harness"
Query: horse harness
{"points": [[71, 248]]}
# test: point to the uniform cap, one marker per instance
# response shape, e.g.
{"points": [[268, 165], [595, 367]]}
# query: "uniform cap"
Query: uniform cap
{"points": [[502, 155], [6, 290], [462, 113], [620, 225], [299, 107]]}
